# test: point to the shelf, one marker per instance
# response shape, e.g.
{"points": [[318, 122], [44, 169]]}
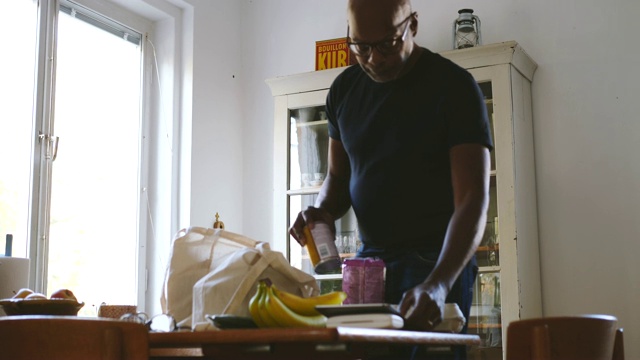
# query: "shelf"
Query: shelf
{"points": [[342, 256], [328, 277], [312, 123], [309, 190], [304, 191], [485, 326], [495, 247], [488, 269]]}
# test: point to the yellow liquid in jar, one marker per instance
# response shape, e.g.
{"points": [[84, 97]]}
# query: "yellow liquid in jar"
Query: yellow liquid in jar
{"points": [[311, 246], [322, 250]]}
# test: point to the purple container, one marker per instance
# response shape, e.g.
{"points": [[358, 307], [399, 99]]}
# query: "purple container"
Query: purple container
{"points": [[363, 280]]}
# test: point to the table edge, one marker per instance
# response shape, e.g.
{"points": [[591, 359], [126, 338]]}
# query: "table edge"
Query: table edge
{"points": [[305, 335]]}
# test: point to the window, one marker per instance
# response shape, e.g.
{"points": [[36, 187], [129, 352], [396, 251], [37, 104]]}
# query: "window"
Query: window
{"points": [[16, 124], [71, 200]]}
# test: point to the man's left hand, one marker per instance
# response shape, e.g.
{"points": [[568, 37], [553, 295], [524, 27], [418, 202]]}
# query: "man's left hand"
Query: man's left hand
{"points": [[423, 307]]}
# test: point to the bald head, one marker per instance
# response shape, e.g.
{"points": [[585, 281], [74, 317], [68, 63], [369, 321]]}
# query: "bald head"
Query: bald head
{"points": [[385, 29], [354, 4], [377, 17], [378, 10]]}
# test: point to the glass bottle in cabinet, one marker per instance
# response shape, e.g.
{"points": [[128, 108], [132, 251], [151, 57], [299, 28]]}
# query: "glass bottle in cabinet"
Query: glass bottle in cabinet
{"points": [[507, 286], [309, 147]]}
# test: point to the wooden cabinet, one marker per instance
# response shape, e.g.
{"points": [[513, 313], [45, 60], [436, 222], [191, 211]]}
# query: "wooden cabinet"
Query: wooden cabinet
{"points": [[508, 283]]}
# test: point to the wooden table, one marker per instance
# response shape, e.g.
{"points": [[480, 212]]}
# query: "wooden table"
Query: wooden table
{"points": [[302, 343]]}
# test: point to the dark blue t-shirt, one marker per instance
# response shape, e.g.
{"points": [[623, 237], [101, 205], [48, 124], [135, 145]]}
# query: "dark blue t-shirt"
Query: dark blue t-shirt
{"points": [[398, 136]]}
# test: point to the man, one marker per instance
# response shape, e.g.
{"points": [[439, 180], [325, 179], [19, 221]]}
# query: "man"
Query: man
{"points": [[409, 150]]}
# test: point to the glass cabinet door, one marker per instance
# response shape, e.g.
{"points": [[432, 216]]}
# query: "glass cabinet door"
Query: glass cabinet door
{"points": [[308, 156], [308, 151], [485, 317]]}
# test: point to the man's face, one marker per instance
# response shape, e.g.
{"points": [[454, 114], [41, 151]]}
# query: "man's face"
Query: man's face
{"points": [[386, 39]]}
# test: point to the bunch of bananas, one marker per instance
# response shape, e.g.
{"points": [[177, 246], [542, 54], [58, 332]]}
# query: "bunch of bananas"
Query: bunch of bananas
{"points": [[271, 307]]}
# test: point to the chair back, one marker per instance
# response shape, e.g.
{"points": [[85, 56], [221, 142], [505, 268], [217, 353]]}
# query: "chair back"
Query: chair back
{"points": [[71, 338], [618, 346], [585, 337]]}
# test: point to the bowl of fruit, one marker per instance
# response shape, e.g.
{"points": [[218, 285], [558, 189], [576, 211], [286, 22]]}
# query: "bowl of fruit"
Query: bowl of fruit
{"points": [[28, 302]]}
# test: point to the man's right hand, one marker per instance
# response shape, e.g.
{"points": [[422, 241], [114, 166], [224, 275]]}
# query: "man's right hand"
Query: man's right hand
{"points": [[309, 217]]}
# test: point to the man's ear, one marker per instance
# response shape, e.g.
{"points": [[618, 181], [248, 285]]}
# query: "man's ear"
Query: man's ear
{"points": [[414, 25]]}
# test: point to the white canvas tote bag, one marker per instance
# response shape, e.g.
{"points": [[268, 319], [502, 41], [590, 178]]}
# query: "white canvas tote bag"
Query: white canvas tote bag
{"points": [[229, 286], [214, 271], [194, 252]]}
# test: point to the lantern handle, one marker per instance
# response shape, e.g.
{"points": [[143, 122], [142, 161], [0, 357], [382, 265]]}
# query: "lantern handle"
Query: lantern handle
{"points": [[455, 22], [478, 27]]}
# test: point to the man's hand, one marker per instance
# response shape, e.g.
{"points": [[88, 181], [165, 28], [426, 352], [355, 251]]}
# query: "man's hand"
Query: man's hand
{"points": [[309, 217], [423, 306]]}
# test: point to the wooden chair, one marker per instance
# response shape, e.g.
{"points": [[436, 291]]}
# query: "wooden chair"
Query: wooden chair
{"points": [[585, 337], [71, 338]]}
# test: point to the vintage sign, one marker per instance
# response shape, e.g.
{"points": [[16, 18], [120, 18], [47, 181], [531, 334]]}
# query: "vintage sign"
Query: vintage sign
{"points": [[333, 53]]}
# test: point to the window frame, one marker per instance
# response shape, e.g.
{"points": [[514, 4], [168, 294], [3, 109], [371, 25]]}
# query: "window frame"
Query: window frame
{"points": [[43, 143]]}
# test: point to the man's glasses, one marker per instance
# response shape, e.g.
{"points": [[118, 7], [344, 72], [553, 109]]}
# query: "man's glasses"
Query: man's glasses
{"points": [[384, 47]]}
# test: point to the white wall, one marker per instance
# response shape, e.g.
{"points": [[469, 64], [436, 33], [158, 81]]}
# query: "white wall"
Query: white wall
{"points": [[586, 128], [196, 126], [217, 161]]}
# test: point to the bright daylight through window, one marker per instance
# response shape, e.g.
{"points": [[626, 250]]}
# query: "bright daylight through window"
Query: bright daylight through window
{"points": [[94, 182]]}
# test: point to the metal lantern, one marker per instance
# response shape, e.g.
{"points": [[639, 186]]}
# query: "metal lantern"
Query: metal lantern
{"points": [[466, 30]]}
